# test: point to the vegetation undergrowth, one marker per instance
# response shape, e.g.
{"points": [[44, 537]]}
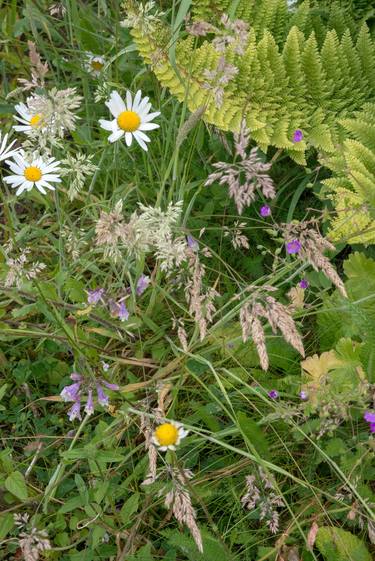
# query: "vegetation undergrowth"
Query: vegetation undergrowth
{"points": [[187, 280]]}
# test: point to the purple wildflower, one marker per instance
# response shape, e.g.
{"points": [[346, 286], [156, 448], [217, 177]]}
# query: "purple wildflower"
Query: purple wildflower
{"points": [[297, 135], [142, 284], [89, 407], [265, 211], [102, 396], [293, 247], [94, 296], [76, 377], [75, 411], [192, 243], [71, 393], [123, 313], [304, 283], [273, 394], [303, 395], [369, 416], [110, 386], [105, 366]]}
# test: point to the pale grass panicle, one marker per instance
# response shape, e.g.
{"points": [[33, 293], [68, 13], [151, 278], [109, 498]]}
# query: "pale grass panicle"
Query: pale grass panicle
{"points": [[261, 493], [262, 305], [245, 176], [237, 238], [39, 70], [49, 116], [144, 15], [179, 500], [33, 542], [312, 247], [77, 168], [149, 229], [199, 298], [22, 267], [218, 78]]}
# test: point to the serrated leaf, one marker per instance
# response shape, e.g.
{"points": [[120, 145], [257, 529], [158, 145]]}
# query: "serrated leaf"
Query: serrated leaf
{"points": [[15, 484], [336, 544]]}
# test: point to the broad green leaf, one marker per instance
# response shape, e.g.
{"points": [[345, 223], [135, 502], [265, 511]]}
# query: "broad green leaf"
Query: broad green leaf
{"points": [[129, 508], [72, 504], [6, 524], [254, 434], [15, 484], [336, 544]]}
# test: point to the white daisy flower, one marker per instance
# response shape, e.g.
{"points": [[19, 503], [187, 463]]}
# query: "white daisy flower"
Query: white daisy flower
{"points": [[94, 64], [37, 172], [168, 435], [28, 120], [130, 118], [6, 151]]}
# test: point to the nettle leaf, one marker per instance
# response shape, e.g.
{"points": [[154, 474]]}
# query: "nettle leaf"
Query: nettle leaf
{"points": [[336, 544], [15, 484]]}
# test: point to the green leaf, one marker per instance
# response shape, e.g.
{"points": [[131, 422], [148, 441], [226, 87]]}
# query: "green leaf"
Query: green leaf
{"points": [[336, 544], [129, 508], [6, 524], [3, 390], [15, 484], [253, 434], [72, 504]]}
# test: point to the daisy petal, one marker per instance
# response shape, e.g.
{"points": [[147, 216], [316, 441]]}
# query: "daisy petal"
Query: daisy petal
{"points": [[106, 125], [128, 138], [116, 135], [148, 126], [115, 104], [136, 101]]}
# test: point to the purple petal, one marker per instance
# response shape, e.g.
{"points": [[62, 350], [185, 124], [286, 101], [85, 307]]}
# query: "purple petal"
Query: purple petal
{"points": [[123, 313], [70, 393], [304, 283], [142, 284], [105, 366], [110, 386], [297, 135], [303, 395], [102, 396], [75, 411], [369, 416], [273, 394], [293, 247], [89, 407], [372, 427], [76, 377], [93, 296], [192, 243], [265, 211]]}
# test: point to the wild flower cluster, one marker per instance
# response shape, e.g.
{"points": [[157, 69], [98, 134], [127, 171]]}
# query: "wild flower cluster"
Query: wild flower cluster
{"points": [[177, 381]]}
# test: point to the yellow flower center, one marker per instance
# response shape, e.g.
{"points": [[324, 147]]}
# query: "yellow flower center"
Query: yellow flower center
{"points": [[166, 434], [96, 65], [32, 173], [129, 121], [35, 121]]}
